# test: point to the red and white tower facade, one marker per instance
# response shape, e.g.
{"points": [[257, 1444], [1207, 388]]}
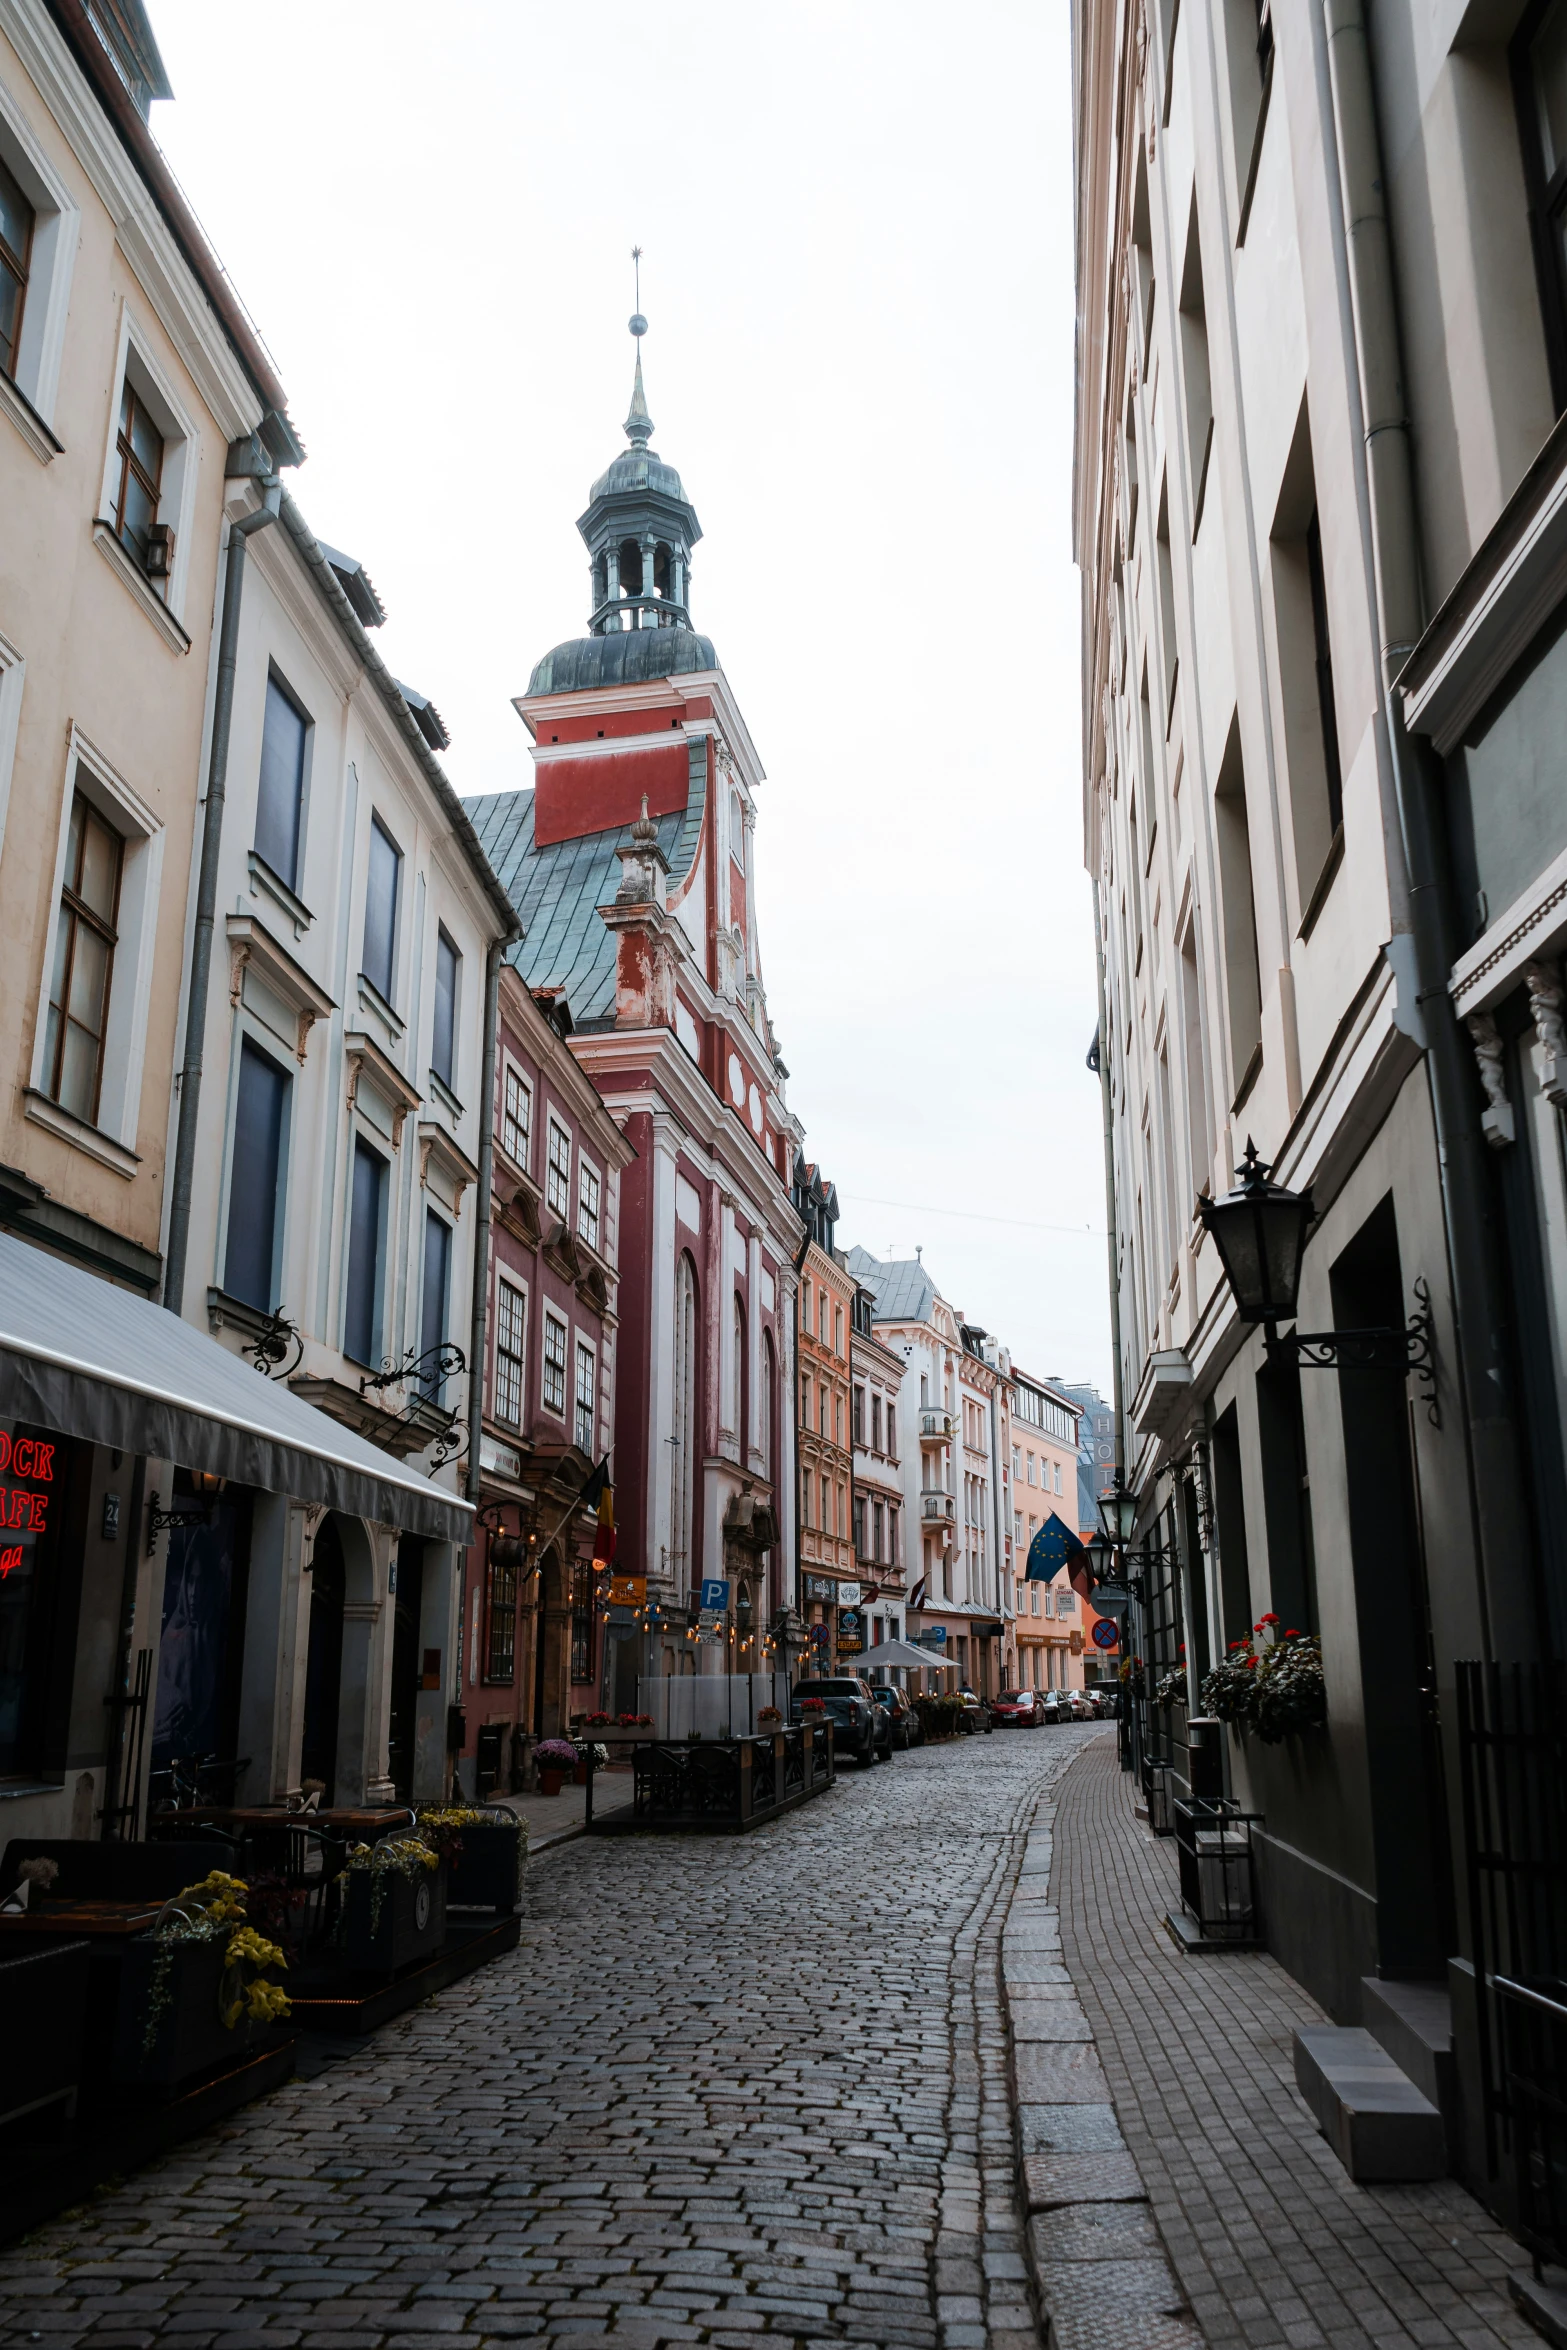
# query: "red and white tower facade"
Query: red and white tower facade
{"points": [[631, 860]]}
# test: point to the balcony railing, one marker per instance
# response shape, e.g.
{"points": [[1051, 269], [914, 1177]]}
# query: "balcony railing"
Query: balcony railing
{"points": [[937, 1509], [935, 1427]]}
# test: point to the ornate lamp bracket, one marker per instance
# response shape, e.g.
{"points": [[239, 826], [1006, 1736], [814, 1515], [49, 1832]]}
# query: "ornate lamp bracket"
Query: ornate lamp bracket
{"points": [[1377, 1349]]}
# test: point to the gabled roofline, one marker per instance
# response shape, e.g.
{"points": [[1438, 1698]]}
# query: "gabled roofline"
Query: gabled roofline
{"points": [[330, 589], [75, 26]]}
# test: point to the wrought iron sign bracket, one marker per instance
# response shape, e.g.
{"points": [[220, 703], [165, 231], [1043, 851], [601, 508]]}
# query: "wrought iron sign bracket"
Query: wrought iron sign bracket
{"points": [[161, 1521], [277, 1349], [1378, 1349]]}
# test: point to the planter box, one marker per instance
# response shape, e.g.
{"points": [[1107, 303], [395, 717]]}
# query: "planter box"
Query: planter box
{"points": [[409, 1920], [189, 2036], [43, 1997], [487, 1872], [550, 1782]]}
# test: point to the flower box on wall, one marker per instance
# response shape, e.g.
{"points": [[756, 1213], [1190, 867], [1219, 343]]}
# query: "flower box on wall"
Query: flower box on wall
{"points": [[170, 2026], [393, 1917]]}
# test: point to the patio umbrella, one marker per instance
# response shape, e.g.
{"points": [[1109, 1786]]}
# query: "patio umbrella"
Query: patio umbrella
{"points": [[903, 1652]]}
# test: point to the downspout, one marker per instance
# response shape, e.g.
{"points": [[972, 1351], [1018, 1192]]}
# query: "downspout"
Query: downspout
{"points": [[1099, 1057], [1500, 1525], [207, 895]]}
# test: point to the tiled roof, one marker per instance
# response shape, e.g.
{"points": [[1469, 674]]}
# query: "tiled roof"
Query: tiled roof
{"points": [[904, 1290], [558, 890]]}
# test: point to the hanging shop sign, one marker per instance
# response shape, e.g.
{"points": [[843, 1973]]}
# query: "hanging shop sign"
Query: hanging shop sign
{"points": [[851, 1628], [820, 1587], [849, 1594], [627, 1590]]}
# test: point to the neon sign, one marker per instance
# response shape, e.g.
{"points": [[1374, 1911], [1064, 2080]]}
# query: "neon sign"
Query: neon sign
{"points": [[22, 1512]]}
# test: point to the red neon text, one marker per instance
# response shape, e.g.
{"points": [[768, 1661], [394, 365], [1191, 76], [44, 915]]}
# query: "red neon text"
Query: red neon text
{"points": [[22, 1512], [24, 1456], [9, 1559]]}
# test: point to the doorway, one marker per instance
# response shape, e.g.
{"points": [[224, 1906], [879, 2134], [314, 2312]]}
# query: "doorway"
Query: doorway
{"points": [[324, 1662], [406, 1665], [1415, 1915], [202, 1639]]}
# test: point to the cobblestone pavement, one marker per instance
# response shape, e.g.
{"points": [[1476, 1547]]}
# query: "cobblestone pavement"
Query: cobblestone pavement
{"points": [[723, 2090], [1272, 2241]]}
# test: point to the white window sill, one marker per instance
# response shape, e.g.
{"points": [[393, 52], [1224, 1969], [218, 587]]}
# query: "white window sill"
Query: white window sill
{"points": [[265, 883], [141, 588], [28, 422], [76, 1131]]}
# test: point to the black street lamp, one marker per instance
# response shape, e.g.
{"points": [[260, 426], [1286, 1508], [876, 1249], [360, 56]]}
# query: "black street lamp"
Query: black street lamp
{"points": [[1118, 1514], [1259, 1230]]}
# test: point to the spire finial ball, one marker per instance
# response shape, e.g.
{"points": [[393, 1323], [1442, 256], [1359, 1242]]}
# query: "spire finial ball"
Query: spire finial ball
{"points": [[637, 324]]}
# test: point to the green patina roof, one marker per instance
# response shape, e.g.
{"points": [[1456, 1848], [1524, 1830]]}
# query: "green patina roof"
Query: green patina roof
{"points": [[626, 656], [558, 890]]}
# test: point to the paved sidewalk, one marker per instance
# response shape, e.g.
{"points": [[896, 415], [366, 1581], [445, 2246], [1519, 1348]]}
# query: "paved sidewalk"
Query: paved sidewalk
{"points": [[1271, 2240]]}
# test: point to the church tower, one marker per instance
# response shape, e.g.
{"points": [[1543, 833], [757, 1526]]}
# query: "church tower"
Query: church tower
{"points": [[631, 863]]}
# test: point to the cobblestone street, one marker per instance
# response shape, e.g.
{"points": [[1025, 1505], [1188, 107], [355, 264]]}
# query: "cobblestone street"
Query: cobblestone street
{"points": [[722, 2090]]}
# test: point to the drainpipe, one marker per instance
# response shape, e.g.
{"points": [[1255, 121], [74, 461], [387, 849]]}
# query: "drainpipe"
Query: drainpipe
{"points": [[1499, 1516], [1099, 1058], [207, 895]]}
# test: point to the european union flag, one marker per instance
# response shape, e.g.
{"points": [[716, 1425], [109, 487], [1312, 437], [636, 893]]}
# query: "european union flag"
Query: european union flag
{"points": [[1052, 1548]]}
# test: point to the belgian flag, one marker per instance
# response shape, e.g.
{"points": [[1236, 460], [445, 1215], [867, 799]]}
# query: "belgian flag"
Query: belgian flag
{"points": [[599, 1491]]}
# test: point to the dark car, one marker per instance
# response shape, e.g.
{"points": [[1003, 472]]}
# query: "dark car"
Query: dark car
{"points": [[1019, 1708], [860, 1728], [902, 1720]]}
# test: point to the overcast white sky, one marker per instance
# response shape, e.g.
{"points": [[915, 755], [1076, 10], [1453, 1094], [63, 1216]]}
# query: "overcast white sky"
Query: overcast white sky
{"points": [[857, 223]]}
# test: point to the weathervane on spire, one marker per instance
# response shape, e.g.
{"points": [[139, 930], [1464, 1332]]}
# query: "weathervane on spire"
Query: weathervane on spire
{"points": [[639, 425]]}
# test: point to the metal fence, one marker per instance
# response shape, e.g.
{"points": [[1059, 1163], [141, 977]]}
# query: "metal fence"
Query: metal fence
{"points": [[1512, 1741]]}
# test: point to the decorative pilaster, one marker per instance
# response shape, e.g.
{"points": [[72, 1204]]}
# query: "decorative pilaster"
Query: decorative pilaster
{"points": [[1545, 1002]]}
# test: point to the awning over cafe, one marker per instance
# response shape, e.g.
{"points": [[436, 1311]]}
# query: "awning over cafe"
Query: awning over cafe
{"points": [[80, 1356], [902, 1652]]}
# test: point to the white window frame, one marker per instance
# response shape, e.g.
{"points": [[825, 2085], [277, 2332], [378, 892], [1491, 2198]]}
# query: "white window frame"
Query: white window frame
{"points": [[561, 1207], [181, 455], [56, 235], [519, 1354], [584, 1347], [551, 1320], [112, 1141], [511, 1070], [587, 1173], [13, 676], [265, 1039]]}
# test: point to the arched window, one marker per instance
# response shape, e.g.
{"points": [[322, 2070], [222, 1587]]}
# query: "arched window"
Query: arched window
{"points": [[742, 1382], [684, 1447], [766, 1434]]}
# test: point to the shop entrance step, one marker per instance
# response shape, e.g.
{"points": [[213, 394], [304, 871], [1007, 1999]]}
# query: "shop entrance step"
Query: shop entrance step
{"points": [[1377, 2122]]}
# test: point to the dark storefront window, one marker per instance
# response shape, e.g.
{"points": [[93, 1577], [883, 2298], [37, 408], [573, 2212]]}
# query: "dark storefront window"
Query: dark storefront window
{"points": [[202, 1640], [581, 1621], [500, 1662], [36, 1597]]}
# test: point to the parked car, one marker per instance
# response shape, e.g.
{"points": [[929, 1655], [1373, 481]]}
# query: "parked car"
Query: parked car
{"points": [[1020, 1708], [975, 1714], [860, 1728], [1077, 1706], [902, 1720], [1050, 1705]]}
